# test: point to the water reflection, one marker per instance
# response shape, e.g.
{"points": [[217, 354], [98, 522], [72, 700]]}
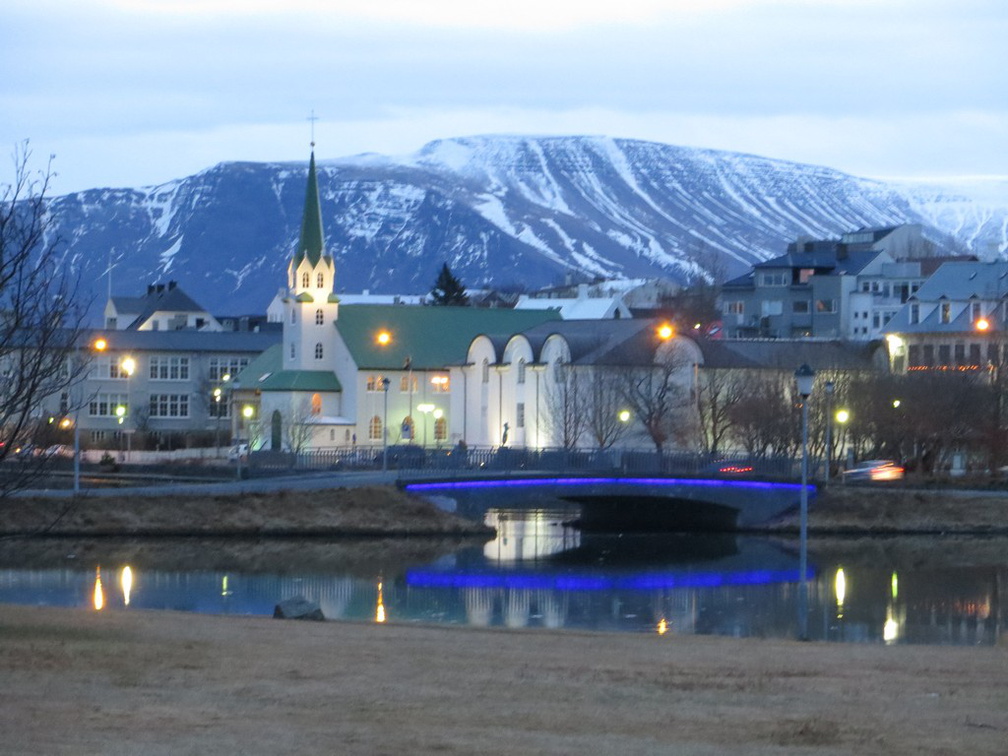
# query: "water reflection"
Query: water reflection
{"points": [[543, 573]]}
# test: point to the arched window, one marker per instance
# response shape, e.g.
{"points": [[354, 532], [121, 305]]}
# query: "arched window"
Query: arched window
{"points": [[319, 317], [320, 281], [486, 371], [375, 428], [440, 429], [318, 351], [407, 428], [316, 404], [521, 370], [304, 280]]}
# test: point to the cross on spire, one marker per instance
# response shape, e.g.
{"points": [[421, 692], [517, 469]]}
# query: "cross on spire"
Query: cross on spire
{"points": [[312, 118]]}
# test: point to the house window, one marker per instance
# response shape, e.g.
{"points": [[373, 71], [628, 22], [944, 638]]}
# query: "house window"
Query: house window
{"points": [[375, 428], [914, 355], [992, 353], [304, 280], [946, 312], [928, 354], [169, 405], [975, 313], [960, 354], [406, 428], [914, 314], [440, 384], [316, 405], [800, 307], [440, 429], [974, 354], [319, 281], [374, 383], [408, 384], [169, 368], [221, 366], [520, 415], [220, 408], [736, 307], [778, 278], [772, 307], [825, 305], [944, 354], [104, 405], [318, 351], [521, 370], [319, 317]]}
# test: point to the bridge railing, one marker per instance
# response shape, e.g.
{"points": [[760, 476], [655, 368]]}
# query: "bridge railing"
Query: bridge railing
{"points": [[506, 460]]}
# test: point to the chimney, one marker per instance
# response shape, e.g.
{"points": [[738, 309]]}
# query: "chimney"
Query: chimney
{"points": [[172, 285]]}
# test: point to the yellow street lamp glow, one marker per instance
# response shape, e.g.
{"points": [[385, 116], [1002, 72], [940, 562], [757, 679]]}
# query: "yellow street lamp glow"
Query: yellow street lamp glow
{"points": [[665, 332], [384, 338], [842, 416], [100, 345], [438, 414], [247, 411], [217, 394], [895, 403], [126, 581], [128, 365], [895, 342], [981, 324], [120, 411], [425, 408], [840, 587], [66, 422], [624, 416]]}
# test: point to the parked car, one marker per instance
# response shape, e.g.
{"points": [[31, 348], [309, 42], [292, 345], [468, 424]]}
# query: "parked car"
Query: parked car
{"points": [[238, 451], [875, 470]]}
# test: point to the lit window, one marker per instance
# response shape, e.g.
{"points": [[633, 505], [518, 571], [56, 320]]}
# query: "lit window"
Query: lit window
{"points": [[375, 428], [316, 404], [440, 429]]}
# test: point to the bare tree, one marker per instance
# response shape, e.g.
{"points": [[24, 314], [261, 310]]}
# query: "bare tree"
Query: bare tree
{"points": [[604, 402], [41, 323], [566, 406], [298, 429], [659, 395], [718, 392]]}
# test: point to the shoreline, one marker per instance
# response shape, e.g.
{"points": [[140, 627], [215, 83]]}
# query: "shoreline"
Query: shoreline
{"points": [[128, 681]]}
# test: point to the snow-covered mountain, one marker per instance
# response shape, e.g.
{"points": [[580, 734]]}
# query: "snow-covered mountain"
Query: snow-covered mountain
{"points": [[501, 211]]}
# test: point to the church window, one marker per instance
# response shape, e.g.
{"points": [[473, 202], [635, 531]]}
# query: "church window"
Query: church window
{"points": [[440, 429], [304, 280], [407, 428], [293, 351], [316, 404], [318, 351], [486, 371], [320, 281], [319, 317], [521, 370], [375, 428], [293, 316], [408, 384]]}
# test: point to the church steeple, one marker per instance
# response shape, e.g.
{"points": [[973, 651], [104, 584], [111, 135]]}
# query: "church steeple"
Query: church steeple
{"points": [[310, 245]]}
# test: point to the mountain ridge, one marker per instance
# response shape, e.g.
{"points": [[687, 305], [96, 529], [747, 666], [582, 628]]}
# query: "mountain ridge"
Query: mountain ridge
{"points": [[502, 211]]}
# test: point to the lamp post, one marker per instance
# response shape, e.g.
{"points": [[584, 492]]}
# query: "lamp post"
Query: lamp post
{"points": [[128, 366], [805, 379], [99, 345], [384, 457], [829, 388], [248, 412], [426, 408]]}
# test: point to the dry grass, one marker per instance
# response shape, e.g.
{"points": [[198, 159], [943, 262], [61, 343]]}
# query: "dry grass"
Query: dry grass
{"points": [[79, 682]]}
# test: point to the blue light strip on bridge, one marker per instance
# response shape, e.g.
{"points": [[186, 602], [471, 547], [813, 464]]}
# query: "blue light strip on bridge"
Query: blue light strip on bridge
{"points": [[531, 482], [637, 582]]}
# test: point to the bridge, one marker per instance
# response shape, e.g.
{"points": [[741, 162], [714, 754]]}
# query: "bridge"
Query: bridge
{"points": [[632, 503]]}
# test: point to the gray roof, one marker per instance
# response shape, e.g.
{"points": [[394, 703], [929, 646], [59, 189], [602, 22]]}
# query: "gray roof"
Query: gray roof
{"points": [[600, 342], [185, 340], [788, 354]]}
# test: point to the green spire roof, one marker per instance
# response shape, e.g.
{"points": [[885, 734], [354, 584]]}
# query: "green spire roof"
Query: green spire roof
{"points": [[310, 244]]}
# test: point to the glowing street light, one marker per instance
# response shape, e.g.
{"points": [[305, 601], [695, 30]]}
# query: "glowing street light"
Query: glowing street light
{"points": [[981, 324], [805, 380], [665, 332], [384, 338]]}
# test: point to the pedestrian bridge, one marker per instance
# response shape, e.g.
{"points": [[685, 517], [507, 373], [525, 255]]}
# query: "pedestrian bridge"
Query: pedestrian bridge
{"points": [[623, 502]]}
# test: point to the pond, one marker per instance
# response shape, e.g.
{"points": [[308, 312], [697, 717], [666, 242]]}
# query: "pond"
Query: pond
{"points": [[540, 571]]}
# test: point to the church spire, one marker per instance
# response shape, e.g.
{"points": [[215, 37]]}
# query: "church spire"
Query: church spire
{"points": [[310, 245]]}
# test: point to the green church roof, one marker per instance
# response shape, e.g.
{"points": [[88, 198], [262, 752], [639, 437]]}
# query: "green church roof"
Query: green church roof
{"points": [[428, 337], [264, 373], [311, 243]]}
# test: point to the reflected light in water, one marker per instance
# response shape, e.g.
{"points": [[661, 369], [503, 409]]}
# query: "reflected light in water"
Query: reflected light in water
{"points": [[99, 594], [890, 630], [840, 587], [895, 586], [224, 590], [380, 610], [662, 626], [126, 581]]}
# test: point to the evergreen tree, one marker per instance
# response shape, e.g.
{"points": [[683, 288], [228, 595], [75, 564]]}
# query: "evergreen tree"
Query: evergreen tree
{"points": [[448, 290]]}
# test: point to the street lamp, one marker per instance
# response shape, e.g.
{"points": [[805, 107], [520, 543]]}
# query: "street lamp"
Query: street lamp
{"points": [[384, 459], [128, 366], [805, 379], [99, 345]]}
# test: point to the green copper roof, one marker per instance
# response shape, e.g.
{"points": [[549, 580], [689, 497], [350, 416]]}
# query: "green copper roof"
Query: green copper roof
{"points": [[264, 373], [429, 337], [311, 243]]}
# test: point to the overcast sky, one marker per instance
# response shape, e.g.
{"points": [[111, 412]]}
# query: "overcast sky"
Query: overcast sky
{"points": [[139, 92]]}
